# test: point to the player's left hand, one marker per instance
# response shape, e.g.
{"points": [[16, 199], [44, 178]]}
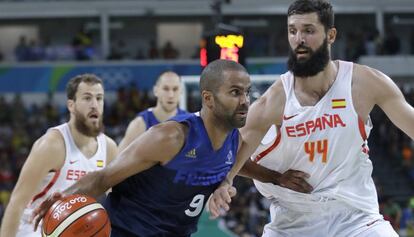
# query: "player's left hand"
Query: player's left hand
{"points": [[218, 203]]}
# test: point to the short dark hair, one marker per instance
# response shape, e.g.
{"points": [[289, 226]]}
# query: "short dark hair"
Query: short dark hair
{"points": [[212, 76], [320, 7], [73, 84]]}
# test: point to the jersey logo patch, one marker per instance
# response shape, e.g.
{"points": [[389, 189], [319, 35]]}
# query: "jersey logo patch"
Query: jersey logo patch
{"points": [[338, 103], [289, 117], [73, 161], [99, 163], [229, 158], [191, 153]]}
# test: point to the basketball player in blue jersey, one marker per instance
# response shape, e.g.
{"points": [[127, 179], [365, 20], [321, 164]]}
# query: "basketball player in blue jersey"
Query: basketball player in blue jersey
{"points": [[167, 90], [162, 180], [322, 108]]}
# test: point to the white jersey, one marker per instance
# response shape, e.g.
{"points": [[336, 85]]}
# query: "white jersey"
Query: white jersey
{"points": [[76, 165], [327, 141]]}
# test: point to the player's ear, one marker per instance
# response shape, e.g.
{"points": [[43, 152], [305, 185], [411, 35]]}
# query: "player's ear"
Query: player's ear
{"points": [[331, 35], [71, 105], [208, 98], [155, 90]]}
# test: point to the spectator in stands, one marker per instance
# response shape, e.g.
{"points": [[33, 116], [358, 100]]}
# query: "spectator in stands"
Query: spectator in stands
{"points": [[407, 220], [82, 45], [169, 52], [153, 52], [392, 44], [391, 212], [21, 52]]}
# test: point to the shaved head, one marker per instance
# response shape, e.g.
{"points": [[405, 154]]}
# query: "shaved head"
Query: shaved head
{"points": [[213, 75]]}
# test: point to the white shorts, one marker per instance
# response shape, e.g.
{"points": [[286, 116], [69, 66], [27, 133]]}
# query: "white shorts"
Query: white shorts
{"points": [[340, 222], [26, 230]]}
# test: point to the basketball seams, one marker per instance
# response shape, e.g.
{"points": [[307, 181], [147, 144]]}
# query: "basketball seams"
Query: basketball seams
{"points": [[73, 217], [103, 226], [56, 205]]}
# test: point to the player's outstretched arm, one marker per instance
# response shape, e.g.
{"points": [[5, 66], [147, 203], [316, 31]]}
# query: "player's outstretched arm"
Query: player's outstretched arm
{"points": [[291, 179], [390, 99], [135, 128], [143, 153], [264, 112], [47, 154]]}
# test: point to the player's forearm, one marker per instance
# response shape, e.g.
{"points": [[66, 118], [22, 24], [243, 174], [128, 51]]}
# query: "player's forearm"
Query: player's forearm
{"points": [[246, 150], [258, 172], [11, 220], [91, 184]]}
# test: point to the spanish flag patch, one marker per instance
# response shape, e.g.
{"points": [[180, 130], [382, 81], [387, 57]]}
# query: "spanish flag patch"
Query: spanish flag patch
{"points": [[338, 103], [99, 163]]}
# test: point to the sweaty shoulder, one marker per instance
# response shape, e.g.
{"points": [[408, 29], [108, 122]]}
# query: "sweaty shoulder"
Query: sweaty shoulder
{"points": [[50, 148], [271, 104], [366, 79], [365, 74], [111, 148], [169, 135]]}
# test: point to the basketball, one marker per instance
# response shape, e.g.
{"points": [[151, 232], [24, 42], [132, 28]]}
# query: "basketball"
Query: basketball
{"points": [[76, 215]]}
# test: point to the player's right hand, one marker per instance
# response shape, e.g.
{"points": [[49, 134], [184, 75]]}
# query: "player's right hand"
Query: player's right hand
{"points": [[219, 201], [295, 180], [41, 210]]}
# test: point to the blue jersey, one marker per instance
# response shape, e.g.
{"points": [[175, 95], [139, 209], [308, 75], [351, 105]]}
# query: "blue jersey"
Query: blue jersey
{"points": [[150, 119], [167, 200]]}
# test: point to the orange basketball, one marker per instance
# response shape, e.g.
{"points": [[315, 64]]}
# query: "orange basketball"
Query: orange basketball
{"points": [[76, 215]]}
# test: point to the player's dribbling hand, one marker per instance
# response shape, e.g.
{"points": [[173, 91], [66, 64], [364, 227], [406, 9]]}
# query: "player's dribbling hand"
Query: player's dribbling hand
{"points": [[294, 180], [41, 210], [219, 201]]}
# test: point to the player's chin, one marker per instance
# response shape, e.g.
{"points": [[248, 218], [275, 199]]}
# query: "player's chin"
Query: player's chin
{"points": [[239, 121]]}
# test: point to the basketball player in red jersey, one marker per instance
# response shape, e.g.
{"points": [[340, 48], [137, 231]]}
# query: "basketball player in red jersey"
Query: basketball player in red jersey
{"points": [[62, 156], [322, 107]]}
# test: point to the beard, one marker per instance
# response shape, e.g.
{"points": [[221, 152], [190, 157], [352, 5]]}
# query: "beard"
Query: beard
{"points": [[230, 117], [311, 66], [87, 130]]}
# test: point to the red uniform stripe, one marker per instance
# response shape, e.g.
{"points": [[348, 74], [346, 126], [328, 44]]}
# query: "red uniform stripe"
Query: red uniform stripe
{"points": [[271, 148], [48, 186], [361, 126], [338, 100]]}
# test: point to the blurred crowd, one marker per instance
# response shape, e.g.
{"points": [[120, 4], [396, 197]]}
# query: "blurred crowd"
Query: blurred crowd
{"points": [[20, 126], [83, 46]]}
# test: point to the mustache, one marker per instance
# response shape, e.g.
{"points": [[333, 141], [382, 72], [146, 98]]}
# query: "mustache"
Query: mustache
{"points": [[242, 109], [302, 47]]}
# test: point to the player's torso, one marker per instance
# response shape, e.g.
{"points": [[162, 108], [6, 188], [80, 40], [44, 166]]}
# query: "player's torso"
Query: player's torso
{"points": [[324, 140], [76, 165], [170, 198]]}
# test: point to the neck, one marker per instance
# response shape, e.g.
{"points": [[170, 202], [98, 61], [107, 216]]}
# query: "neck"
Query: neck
{"points": [[161, 114], [319, 84], [79, 138], [217, 130]]}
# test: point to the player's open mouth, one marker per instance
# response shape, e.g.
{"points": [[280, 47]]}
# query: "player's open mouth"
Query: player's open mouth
{"points": [[93, 116]]}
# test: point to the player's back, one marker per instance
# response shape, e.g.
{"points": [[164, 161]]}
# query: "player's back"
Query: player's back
{"points": [[167, 200]]}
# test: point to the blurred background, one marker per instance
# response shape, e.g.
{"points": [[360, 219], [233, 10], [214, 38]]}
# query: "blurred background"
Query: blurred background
{"points": [[129, 42]]}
